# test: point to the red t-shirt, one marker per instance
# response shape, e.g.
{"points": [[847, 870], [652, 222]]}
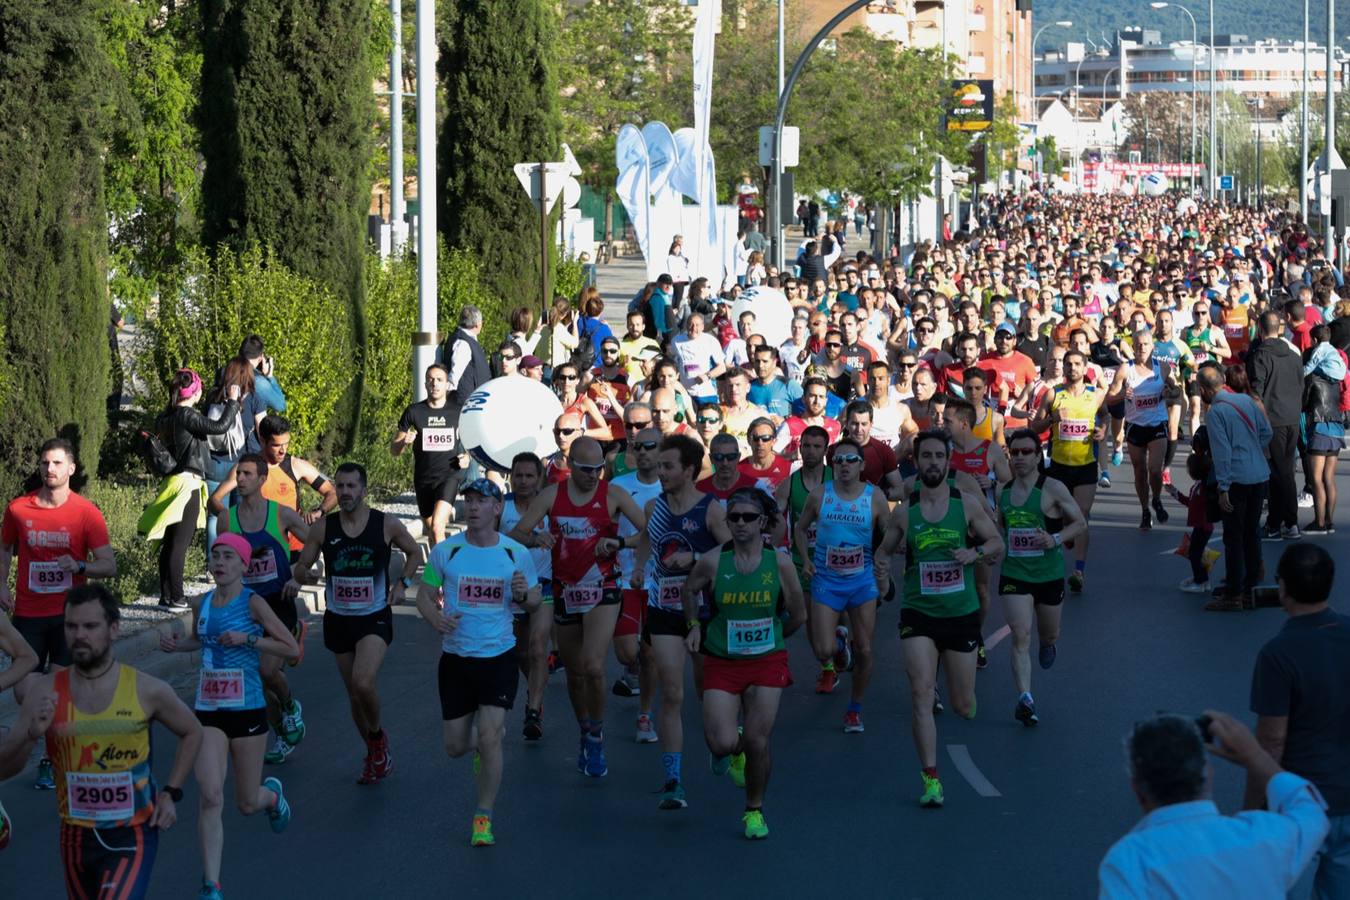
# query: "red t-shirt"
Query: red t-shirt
{"points": [[795, 425], [1017, 371], [878, 461], [742, 481], [41, 535], [767, 479]]}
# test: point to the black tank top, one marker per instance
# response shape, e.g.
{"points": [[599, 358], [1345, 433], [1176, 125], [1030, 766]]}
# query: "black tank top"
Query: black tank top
{"points": [[355, 568]]}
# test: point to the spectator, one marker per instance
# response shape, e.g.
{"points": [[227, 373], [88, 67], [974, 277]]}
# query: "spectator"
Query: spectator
{"points": [[224, 450], [677, 265], [264, 379], [1301, 696], [661, 308], [592, 329], [1324, 401], [1184, 847], [1275, 370], [1238, 436], [465, 358], [524, 332], [812, 264], [562, 328]]}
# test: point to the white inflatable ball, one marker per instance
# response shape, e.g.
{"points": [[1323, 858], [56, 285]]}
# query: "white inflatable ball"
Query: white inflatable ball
{"points": [[1154, 184], [506, 416], [1187, 207], [773, 313]]}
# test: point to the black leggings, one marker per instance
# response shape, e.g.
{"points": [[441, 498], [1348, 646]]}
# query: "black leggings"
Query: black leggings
{"points": [[173, 550]]}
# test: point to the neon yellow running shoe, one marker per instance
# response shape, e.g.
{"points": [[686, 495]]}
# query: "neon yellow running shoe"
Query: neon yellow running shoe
{"points": [[738, 770], [756, 829], [932, 792], [482, 832]]}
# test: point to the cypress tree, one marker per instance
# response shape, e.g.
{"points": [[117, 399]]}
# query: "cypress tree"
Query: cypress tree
{"points": [[286, 116], [498, 65], [54, 79]]}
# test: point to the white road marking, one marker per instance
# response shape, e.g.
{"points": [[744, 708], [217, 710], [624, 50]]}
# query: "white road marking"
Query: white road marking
{"points": [[996, 638], [971, 772]]}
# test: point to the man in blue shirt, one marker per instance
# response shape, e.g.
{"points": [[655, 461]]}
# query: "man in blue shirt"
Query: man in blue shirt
{"points": [[659, 306], [769, 391]]}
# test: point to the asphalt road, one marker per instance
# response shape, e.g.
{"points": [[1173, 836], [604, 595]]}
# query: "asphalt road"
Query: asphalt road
{"points": [[842, 808]]}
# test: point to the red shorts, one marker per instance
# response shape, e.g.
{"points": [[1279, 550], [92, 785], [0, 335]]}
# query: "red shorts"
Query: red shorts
{"points": [[735, 675], [631, 613]]}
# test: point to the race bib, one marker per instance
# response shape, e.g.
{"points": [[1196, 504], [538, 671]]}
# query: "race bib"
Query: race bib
{"points": [[1146, 401], [1235, 331], [220, 689], [1024, 542], [261, 568], [353, 592], [438, 440], [942, 577], [1075, 429], [750, 637], [669, 593], [48, 578], [476, 592], [581, 598], [100, 796], [844, 560]]}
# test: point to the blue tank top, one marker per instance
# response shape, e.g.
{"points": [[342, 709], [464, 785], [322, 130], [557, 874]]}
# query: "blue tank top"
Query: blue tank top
{"points": [[668, 534], [843, 546], [270, 569], [230, 678]]}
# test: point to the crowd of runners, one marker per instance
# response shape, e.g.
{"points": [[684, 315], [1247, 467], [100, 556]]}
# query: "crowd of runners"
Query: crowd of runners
{"points": [[934, 432]]}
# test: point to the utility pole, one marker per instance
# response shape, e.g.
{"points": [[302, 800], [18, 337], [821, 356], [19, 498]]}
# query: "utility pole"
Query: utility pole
{"points": [[424, 341], [1329, 143], [1303, 127], [1213, 108], [396, 232]]}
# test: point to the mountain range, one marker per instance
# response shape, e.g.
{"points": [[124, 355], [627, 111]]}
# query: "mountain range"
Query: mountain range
{"points": [[1281, 19]]}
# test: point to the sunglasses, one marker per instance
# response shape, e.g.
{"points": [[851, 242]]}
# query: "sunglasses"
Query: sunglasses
{"points": [[744, 518], [835, 344], [644, 445], [508, 358], [588, 468], [847, 458], [726, 457], [637, 426], [568, 378], [761, 438], [564, 432], [704, 420], [607, 351], [1025, 451]]}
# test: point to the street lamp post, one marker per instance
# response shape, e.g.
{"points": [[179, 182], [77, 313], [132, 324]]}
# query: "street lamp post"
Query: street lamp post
{"points": [[1194, 47], [1213, 109]]}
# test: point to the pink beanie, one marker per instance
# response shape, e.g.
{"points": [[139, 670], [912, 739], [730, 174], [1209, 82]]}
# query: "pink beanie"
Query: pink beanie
{"points": [[237, 543]]}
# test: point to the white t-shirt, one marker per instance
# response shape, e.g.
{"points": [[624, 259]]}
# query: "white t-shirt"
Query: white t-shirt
{"points": [[477, 585], [641, 492], [697, 357]]}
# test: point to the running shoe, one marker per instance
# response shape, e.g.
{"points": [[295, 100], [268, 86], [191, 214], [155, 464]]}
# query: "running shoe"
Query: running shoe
{"points": [[381, 760], [756, 829], [981, 657], [367, 775], [738, 770], [1076, 582], [1191, 586], [1104, 480], [1305, 500], [827, 681], [210, 890], [672, 796], [300, 630], [1047, 655], [596, 767], [843, 651], [1118, 456], [6, 828], [1317, 528], [581, 755], [481, 836], [292, 724], [1160, 511], [534, 724], [720, 765], [646, 731], [1145, 521], [1290, 533], [277, 751], [932, 792], [1271, 533], [853, 723], [937, 701], [44, 780], [625, 686], [279, 816], [1026, 712]]}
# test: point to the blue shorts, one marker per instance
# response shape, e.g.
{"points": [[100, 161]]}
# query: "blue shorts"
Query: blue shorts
{"points": [[842, 594]]}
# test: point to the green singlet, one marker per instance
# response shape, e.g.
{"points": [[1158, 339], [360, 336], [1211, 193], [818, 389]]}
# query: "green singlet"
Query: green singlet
{"points": [[1026, 560], [935, 584], [621, 466], [746, 621], [797, 494]]}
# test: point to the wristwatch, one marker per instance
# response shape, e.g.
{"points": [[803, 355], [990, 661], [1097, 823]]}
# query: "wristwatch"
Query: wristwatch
{"points": [[175, 793], [690, 625], [83, 566]]}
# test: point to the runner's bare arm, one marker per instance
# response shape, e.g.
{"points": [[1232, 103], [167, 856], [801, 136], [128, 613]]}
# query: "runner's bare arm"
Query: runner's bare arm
{"points": [[792, 594], [292, 522], [597, 429], [303, 570], [35, 717], [1043, 416], [881, 562], [991, 542], [641, 552], [216, 503], [998, 463], [22, 659], [702, 575], [162, 705], [717, 523], [1117, 391], [893, 541], [1075, 523], [170, 642], [810, 510], [532, 516], [306, 472]]}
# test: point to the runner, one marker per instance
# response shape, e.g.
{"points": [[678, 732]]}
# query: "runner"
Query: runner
{"points": [[815, 396], [534, 629], [636, 416], [845, 575], [791, 498], [566, 429], [285, 474], [745, 660], [469, 586], [939, 620], [1205, 341], [61, 539], [358, 624], [1170, 348], [431, 428], [1143, 384], [1073, 412], [22, 660], [1038, 515], [232, 627], [766, 467], [583, 514], [682, 524], [727, 477], [643, 484], [111, 813], [265, 524]]}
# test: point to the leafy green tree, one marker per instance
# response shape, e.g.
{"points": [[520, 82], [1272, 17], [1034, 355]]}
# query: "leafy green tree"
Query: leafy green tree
{"points": [[498, 66], [54, 100], [1002, 139]]}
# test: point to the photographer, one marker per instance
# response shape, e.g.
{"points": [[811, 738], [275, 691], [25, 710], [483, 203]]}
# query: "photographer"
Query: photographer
{"points": [[1184, 847]]}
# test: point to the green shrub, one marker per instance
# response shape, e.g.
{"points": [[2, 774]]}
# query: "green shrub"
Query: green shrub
{"points": [[391, 317], [303, 324], [461, 281], [137, 562]]}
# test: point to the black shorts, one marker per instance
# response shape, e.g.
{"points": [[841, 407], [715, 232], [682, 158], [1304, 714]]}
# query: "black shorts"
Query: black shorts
{"points": [[1073, 476], [236, 723], [342, 633], [1318, 445], [663, 622], [1193, 388], [1116, 410], [429, 493], [108, 862], [285, 609], [469, 682], [47, 636], [1143, 435], [610, 596], [1043, 593], [960, 634]]}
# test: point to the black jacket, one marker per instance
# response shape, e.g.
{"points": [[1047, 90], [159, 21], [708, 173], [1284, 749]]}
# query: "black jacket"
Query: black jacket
{"points": [[476, 373], [813, 267], [1275, 370], [1322, 399], [184, 432]]}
